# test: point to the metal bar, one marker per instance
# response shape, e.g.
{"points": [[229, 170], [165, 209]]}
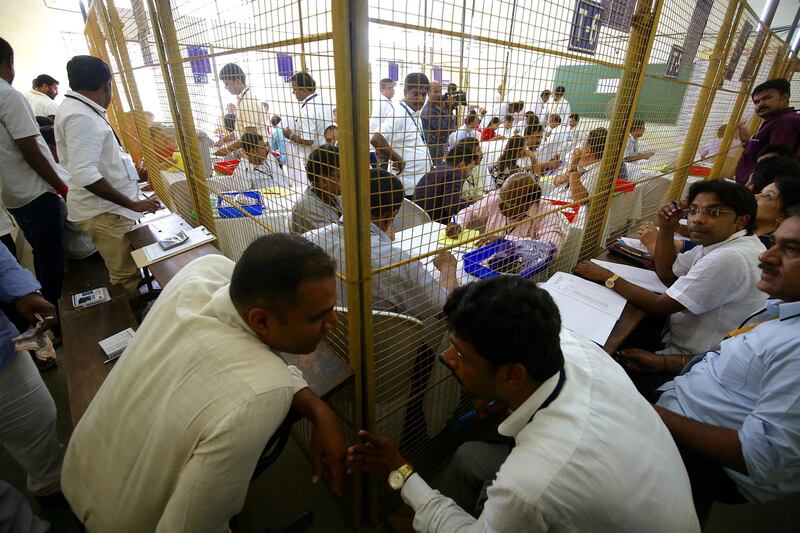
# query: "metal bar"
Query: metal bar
{"points": [[350, 56], [303, 66], [499, 42], [216, 85], [714, 73], [643, 32], [172, 67]]}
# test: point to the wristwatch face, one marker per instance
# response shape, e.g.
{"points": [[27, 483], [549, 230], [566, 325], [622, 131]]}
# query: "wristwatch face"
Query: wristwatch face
{"points": [[610, 282], [396, 480]]}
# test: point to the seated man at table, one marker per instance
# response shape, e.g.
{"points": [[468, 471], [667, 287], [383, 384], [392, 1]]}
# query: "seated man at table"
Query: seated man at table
{"points": [[439, 190], [516, 211], [410, 288], [257, 169], [712, 287], [589, 453], [733, 411], [172, 437], [320, 204], [636, 149]]}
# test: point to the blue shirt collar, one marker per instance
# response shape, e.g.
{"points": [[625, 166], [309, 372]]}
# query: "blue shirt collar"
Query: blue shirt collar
{"points": [[784, 310]]}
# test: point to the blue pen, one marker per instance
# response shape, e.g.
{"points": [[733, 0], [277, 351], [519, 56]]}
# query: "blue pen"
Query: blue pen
{"points": [[471, 414]]}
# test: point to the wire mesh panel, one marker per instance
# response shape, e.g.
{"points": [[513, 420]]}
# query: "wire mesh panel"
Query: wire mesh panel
{"points": [[505, 138]]}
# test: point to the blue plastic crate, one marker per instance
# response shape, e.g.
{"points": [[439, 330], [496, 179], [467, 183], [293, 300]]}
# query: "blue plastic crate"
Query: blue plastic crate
{"points": [[473, 260], [226, 210]]}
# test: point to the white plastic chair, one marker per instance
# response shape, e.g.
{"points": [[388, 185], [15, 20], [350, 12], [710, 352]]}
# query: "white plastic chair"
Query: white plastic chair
{"points": [[409, 215]]}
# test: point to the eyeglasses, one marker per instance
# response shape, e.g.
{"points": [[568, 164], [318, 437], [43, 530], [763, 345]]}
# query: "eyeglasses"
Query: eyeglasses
{"points": [[713, 212]]}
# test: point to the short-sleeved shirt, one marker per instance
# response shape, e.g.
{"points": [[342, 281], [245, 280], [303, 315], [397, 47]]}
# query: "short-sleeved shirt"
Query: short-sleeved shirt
{"points": [[782, 128], [459, 135], [384, 111], [250, 115], [21, 184], [749, 384], [635, 146], [439, 192], [15, 282], [310, 212], [403, 132], [717, 285], [314, 118], [41, 104]]}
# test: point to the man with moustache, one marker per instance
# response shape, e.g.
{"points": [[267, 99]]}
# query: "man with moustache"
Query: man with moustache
{"points": [[573, 460], [781, 125], [734, 411]]}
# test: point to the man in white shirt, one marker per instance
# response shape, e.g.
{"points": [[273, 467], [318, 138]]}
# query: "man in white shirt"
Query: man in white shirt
{"points": [[248, 111], [104, 198], [559, 141], [402, 139], [258, 169], [172, 438], [385, 109], [712, 287], [577, 422], [42, 95], [467, 130], [31, 181], [543, 105], [308, 131], [636, 149], [560, 106]]}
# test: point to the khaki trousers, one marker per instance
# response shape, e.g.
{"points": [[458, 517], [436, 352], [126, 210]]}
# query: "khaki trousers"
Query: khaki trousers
{"points": [[108, 234]]}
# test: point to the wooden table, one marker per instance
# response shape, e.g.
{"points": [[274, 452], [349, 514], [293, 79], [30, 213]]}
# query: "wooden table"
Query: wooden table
{"points": [[324, 371], [631, 316], [83, 359]]}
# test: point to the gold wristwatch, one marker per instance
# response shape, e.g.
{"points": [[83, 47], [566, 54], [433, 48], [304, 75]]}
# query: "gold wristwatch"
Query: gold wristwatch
{"points": [[397, 478], [610, 282]]}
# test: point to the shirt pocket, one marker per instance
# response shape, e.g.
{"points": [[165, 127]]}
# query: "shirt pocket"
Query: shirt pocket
{"points": [[738, 366]]}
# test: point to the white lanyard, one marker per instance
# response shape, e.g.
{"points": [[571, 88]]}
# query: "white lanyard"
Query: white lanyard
{"points": [[307, 100]]}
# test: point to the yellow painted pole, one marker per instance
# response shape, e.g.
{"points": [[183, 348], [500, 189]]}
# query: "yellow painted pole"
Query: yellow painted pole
{"points": [[643, 32], [714, 73], [169, 54], [731, 129], [351, 57], [303, 66]]}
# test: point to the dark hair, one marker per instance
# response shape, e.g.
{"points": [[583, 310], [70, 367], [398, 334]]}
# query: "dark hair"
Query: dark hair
{"points": [[6, 52], [386, 82], [509, 156], [779, 84], [575, 116], [780, 150], [44, 121], [596, 140], [251, 140], [229, 121], [793, 211], [516, 107], [471, 118], [49, 136], [273, 267], [323, 161], [87, 73], [330, 127], [275, 120], [531, 118], [386, 192], [789, 189], [231, 72], [560, 89], [451, 85], [462, 152], [555, 117], [43, 79], [765, 171], [304, 80], [415, 79], [546, 92], [495, 120], [733, 195], [637, 123], [508, 117], [507, 319], [533, 129]]}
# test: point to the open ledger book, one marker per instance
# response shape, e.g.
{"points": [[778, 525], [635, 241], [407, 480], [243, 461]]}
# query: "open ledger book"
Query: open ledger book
{"points": [[586, 308], [153, 253]]}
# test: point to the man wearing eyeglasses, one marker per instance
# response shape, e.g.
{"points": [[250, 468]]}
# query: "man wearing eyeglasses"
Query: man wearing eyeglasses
{"points": [[712, 287]]}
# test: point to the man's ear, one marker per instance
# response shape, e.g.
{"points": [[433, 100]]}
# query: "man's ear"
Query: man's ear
{"points": [[512, 376], [260, 321], [742, 221]]}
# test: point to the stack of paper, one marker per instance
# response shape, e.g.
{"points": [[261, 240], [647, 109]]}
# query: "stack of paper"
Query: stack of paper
{"points": [[647, 279], [586, 308], [116, 344]]}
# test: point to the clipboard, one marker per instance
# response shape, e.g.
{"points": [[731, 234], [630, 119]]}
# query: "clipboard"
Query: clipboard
{"points": [[153, 253]]}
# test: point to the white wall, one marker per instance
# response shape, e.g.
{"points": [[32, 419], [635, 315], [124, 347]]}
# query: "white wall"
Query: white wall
{"points": [[35, 33]]}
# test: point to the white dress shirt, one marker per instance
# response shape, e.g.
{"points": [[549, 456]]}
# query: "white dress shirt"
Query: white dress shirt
{"points": [[313, 117], [41, 104], [542, 110], [635, 146], [250, 113], [499, 110], [403, 132], [20, 184], [717, 285], [384, 111], [90, 151], [558, 143], [460, 134], [560, 108], [172, 437], [598, 459]]}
